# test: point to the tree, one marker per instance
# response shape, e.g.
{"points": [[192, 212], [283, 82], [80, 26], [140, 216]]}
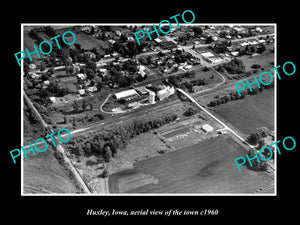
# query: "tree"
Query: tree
{"points": [[107, 153], [254, 138], [90, 74], [105, 173], [208, 39], [190, 112], [75, 106], [197, 30], [84, 104]]}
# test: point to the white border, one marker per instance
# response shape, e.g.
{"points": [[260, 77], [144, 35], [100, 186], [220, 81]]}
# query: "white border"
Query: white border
{"points": [[147, 24]]}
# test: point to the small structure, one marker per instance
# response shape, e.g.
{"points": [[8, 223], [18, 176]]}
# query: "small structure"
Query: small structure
{"points": [[207, 128], [52, 99], [151, 97], [235, 53], [81, 91], [82, 76], [157, 40]]}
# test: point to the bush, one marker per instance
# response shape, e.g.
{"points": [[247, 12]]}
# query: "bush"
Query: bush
{"points": [[255, 66], [190, 112]]}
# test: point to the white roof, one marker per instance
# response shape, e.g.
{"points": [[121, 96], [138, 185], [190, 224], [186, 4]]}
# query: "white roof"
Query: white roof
{"points": [[207, 128], [157, 40], [52, 99], [81, 91], [81, 75], [244, 44], [207, 54], [125, 94]]}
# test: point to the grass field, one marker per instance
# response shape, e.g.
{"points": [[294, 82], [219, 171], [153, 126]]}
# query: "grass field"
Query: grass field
{"points": [[206, 167], [87, 42], [42, 173], [250, 113]]}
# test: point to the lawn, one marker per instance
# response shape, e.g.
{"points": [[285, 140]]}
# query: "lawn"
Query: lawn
{"points": [[250, 113], [205, 167], [87, 42]]}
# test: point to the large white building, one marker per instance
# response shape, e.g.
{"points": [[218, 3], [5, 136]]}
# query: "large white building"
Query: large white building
{"points": [[125, 94], [165, 93]]}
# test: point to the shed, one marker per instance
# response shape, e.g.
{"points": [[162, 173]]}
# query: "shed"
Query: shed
{"points": [[207, 128]]}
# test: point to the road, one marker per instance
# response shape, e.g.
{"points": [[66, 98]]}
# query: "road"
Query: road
{"points": [[211, 115], [59, 148]]}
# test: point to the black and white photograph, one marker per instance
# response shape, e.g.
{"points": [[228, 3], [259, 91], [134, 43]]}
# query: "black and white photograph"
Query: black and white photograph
{"points": [[150, 113], [162, 114]]}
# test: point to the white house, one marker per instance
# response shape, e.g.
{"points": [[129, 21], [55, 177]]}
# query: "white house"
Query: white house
{"points": [[82, 76]]}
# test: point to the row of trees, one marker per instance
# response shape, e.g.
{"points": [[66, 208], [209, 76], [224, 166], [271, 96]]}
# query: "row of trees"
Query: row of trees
{"points": [[235, 96], [176, 80], [106, 142]]}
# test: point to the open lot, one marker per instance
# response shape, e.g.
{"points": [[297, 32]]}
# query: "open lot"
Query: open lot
{"points": [[43, 173], [87, 42], [250, 113], [206, 167]]}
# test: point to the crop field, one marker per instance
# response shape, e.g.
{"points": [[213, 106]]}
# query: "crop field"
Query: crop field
{"points": [[205, 167], [264, 60], [176, 132], [250, 113]]}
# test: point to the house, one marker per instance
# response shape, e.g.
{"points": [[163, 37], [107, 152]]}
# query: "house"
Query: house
{"points": [[261, 41], [82, 76], [157, 40], [46, 82], [111, 41], [207, 55], [103, 72], [32, 66], [243, 44], [125, 94], [52, 99], [235, 53], [90, 55], [81, 91], [258, 29], [119, 33], [91, 89], [142, 90], [34, 75]]}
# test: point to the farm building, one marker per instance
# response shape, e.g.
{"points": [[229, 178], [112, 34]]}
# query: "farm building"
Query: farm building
{"points": [[165, 93], [207, 128], [125, 94]]}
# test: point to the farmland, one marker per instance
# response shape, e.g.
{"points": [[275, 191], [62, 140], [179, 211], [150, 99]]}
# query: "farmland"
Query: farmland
{"points": [[205, 167], [250, 113], [44, 174]]}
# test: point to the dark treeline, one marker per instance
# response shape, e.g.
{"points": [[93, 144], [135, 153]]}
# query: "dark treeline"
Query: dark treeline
{"points": [[105, 143]]}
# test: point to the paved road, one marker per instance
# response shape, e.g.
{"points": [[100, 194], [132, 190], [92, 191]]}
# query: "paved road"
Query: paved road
{"points": [[205, 110], [59, 147]]}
